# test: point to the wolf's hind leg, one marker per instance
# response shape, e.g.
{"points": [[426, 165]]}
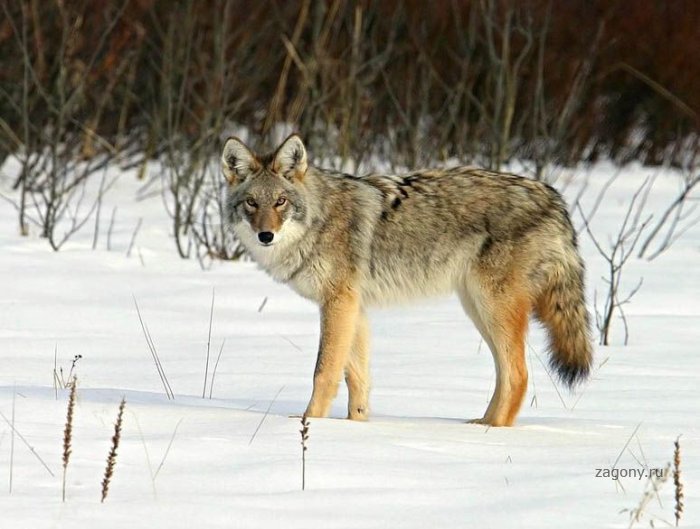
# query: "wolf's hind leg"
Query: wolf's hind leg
{"points": [[339, 316], [503, 323], [357, 372]]}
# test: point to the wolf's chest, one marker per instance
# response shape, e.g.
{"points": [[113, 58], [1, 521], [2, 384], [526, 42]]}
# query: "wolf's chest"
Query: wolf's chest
{"points": [[307, 285], [290, 267]]}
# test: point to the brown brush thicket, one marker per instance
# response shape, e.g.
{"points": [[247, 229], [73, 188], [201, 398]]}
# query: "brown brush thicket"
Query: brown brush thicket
{"points": [[453, 76], [126, 81]]}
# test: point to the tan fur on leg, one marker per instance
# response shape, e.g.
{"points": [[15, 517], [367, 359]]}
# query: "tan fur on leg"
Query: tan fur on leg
{"points": [[516, 359], [357, 372], [508, 334], [339, 313], [502, 320]]}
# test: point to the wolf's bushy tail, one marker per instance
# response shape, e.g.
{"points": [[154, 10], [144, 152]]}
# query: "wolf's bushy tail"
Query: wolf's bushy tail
{"points": [[562, 309]]}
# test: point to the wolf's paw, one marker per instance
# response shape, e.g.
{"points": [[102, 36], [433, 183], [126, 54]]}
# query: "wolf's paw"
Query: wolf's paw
{"points": [[314, 411], [489, 422], [358, 414]]}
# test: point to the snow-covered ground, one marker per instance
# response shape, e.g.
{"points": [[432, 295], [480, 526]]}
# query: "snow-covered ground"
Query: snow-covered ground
{"points": [[414, 464]]}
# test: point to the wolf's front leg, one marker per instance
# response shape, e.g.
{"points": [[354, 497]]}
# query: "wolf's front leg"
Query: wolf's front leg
{"points": [[357, 372], [339, 314]]}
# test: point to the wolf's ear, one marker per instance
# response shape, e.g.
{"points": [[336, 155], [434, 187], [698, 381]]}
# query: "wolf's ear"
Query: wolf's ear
{"points": [[290, 158], [238, 161]]}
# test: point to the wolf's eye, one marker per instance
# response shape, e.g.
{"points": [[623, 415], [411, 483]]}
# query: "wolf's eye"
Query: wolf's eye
{"points": [[281, 201], [252, 203]]}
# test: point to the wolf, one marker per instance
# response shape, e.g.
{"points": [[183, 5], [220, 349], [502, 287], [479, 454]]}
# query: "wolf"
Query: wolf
{"points": [[503, 243]]}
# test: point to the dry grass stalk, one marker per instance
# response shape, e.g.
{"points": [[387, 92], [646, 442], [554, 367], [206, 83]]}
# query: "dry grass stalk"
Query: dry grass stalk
{"points": [[267, 412], [12, 438], [216, 366], [68, 432], [206, 365], [59, 380], [304, 437], [651, 491], [154, 354], [112, 457], [677, 483], [16, 432]]}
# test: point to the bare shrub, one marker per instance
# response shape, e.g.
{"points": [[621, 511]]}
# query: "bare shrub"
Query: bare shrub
{"points": [[616, 254], [679, 216], [481, 81], [191, 94], [56, 143]]}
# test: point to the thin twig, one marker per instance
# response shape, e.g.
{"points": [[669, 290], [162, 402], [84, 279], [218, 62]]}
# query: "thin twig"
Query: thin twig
{"points": [[533, 401], [96, 233], [252, 437], [624, 448], [216, 365], [206, 365], [288, 340], [156, 360], [554, 385], [145, 449], [26, 443], [133, 237], [12, 436], [111, 227], [55, 371], [167, 451]]}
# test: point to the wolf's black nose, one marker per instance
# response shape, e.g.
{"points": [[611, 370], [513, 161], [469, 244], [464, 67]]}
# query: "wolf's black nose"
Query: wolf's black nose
{"points": [[266, 237]]}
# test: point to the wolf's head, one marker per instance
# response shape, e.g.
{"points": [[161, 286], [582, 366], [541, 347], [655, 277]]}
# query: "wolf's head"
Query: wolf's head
{"points": [[265, 204]]}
